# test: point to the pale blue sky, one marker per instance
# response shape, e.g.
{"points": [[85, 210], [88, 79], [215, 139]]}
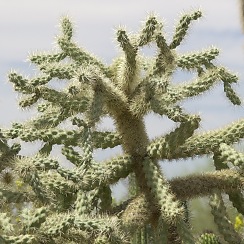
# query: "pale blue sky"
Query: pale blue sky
{"points": [[30, 25]]}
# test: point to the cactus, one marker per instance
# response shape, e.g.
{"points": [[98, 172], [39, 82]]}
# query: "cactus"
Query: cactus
{"points": [[75, 205]]}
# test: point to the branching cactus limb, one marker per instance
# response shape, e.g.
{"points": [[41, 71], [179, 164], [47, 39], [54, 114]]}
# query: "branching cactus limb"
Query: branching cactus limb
{"points": [[225, 226], [75, 205]]}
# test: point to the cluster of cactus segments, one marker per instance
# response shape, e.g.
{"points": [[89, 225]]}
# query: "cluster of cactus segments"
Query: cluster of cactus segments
{"points": [[43, 202]]}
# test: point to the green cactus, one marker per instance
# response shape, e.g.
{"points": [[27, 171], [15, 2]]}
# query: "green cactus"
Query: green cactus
{"points": [[208, 238], [75, 205]]}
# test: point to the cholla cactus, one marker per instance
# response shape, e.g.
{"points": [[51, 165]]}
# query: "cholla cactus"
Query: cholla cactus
{"points": [[75, 205]]}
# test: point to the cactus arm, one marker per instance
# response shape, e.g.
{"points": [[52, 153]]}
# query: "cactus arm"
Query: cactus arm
{"points": [[51, 135], [71, 50], [51, 95], [225, 226], [60, 71], [146, 34], [196, 60], [110, 227], [82, 205], [175, 138], [28, 101], [55, 136], [56, 183], [96, 108], [63, 99], [201, 84], [130, 51], [30, 175], [208, 238], [169, 207], [50, 117], [227, 76], [106, 139], [231, 95], [78, 55], [237, 199], [39, 59], [72, 155], [34, 181], [200, 144], [107, 172], [130, 64], [229, 154], [178, 137], [165, 60], [114, 97], [182, 28], [225, 154], [57, 226], [176, 93], [229, 134], [33, 219], [174, 113], [205, 184], [20, 83]]}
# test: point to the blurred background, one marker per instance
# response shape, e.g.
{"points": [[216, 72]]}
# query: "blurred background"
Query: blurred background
{"points": [[29, 25]]}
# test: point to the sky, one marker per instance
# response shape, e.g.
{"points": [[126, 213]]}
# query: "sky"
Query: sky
{"points": [[27, 26]]}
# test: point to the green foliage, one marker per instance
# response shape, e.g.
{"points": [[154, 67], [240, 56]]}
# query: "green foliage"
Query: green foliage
{"points": [[76, 205]]}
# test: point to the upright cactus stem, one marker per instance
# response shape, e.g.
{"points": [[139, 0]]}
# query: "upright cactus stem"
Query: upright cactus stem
{"points": [[75, 205]]}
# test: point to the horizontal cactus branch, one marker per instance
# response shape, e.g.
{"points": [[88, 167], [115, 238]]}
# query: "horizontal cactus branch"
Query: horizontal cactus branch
{"points": [[46, 58], [75, 204], [201, 144], [206, 184], [193, 61], [191, 187]]}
